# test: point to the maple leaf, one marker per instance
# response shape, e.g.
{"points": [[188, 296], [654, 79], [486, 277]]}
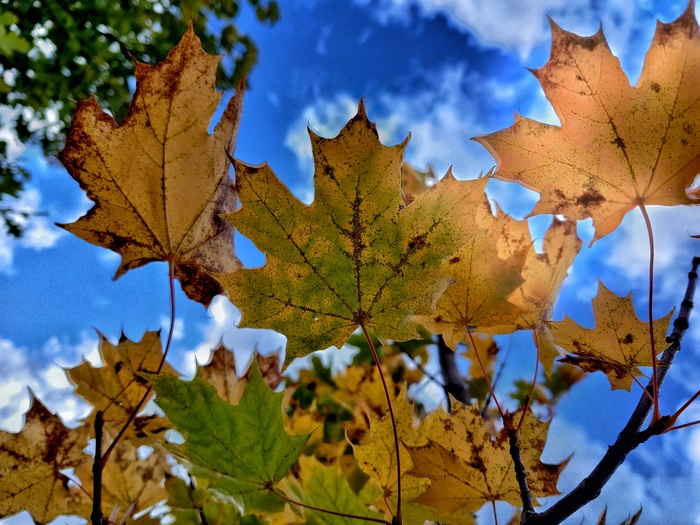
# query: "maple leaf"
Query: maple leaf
{"points": [[414, 182], [355, 256], [485, 272], [160, 180], [619, 146], [117, 387], [31, 462], [619, 343], [242, 450], [129, 484], [378, 458], [543, 275], [221, 372], [466, 473], [325, 487]]}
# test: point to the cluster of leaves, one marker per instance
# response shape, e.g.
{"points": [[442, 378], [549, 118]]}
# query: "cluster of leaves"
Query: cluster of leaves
{"points": [[410, 266], [53, 53]]}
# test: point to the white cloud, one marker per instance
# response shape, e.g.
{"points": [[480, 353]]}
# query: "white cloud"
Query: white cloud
{"points": [[178, 330], [43, 372], [521, 26], [222, 328], [441, 118], [39, 232], [673, 248]]}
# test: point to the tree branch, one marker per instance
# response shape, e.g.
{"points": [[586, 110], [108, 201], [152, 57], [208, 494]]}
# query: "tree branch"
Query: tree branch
{"points": [[631, 436], [453, 381]]}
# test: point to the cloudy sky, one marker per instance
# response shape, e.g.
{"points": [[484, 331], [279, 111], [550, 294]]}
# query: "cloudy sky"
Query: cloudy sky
{"points": [[445, 71]]}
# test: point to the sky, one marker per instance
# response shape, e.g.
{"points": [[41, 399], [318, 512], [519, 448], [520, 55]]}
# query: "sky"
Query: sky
{"points": [[445, 71]]}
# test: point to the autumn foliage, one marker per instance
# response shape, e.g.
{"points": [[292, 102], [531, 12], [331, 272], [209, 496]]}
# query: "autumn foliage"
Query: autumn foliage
{"points": [[380, 260]]}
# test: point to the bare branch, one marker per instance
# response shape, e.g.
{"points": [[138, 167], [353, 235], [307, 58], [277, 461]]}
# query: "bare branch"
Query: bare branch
{"points": [[631, 435]]}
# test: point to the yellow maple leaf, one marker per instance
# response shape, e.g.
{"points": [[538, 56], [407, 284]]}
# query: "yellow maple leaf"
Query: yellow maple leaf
{"points": [[468, 468], [221, 372], [485, 272], [543, 275], [619, 146], [159, 180], [618, 344], [116, 388], [355, 256], [31, 462]]}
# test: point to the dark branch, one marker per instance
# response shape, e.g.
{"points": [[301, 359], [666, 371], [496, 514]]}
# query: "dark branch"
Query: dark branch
{"points": [[521, 474], [453, 381], [631, 435]]}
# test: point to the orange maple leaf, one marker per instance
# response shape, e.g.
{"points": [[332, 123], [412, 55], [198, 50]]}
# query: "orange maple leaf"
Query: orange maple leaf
{"points": [[619, 146]]}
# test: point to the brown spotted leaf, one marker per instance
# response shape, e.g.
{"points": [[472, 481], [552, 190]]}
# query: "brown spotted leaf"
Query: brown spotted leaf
{"points": [[354, 256], [618, 146], [31, 462], [486, 271], [618, 344], [159, 180], [116, 388], [468, 467]]}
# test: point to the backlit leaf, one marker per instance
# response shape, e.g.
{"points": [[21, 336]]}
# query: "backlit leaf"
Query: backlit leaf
{"points": [[31, 462], [159, 180], [618, 145], [355, 255], [242, 450], [618, 344]]}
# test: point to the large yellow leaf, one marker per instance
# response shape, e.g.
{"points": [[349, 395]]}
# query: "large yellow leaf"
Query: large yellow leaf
{"points": [[618, 145], [618, 344], [31, 462], [159, 180], [486, 271], [354, 256], [468, 468], [116, 388]]}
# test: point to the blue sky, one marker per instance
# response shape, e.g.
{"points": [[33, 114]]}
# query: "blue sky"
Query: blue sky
{"points": [[445, 71]]}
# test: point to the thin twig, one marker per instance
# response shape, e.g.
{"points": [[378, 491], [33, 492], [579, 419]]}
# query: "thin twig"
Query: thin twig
{"points": [[419, 366], [318, 509], [654, 373], [486, 376], [147, 394], [520, 472], [397, 515], [631, 436], [526, 406]]}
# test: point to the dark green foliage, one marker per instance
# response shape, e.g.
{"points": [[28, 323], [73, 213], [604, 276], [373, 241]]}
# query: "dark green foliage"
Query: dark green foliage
{"points": [[79, 48]]}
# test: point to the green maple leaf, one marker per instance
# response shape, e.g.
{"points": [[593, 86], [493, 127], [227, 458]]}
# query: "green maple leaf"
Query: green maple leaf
{"points": [[357, 255], [242, 450], [327, 488]]}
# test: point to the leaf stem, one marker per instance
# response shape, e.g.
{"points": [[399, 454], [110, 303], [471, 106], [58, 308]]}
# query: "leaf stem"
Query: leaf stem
{"points": [[398, 516], [147, 394], [486, 376], [335, 513], [654, 374], [526, 406]]}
